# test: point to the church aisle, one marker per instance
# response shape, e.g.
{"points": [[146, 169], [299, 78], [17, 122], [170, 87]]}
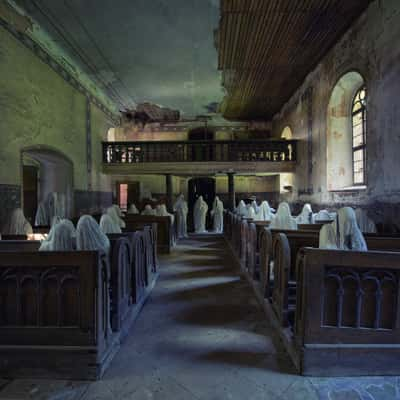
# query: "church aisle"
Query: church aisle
{"points": [[202, 336]]}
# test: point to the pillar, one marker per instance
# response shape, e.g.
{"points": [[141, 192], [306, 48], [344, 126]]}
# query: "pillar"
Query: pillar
{"points": [[169, 192], [231, 191]]}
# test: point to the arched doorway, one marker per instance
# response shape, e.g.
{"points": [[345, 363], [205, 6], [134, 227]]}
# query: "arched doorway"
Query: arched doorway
{"points": [[286, 179], [205, 187], [45, 171]]}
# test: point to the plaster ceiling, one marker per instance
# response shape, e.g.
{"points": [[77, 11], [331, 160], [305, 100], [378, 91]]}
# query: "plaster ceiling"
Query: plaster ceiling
{"points": [[160, 51]]}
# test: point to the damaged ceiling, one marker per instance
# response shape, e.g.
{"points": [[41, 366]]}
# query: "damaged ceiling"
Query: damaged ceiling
{"points": [[267, 48], [157, 51]]}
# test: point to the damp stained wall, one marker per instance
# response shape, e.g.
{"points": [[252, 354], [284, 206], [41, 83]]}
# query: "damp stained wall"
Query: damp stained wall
{"points": [[372, 48], [38, 107]]}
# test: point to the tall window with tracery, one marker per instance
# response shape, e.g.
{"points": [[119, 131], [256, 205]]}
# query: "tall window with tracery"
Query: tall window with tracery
{"points": [[359, 114]]}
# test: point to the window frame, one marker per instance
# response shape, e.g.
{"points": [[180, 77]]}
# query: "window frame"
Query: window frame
{"points": [[363, 146]]}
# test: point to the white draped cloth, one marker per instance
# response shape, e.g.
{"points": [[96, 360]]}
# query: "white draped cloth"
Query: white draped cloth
{"points": [[116, 216], [217, 213], [181, 208], [283, 218], [306, 215], [162, 212], [250, 212], [327, 237], [148, 210], [347, 231], [89, 235], [258, 212], [364, 222], [322, 215], [200, 214], [266, 211], [17, 224], [42, 216], [133, 210], [62, 237], [108, 225], [242, 209]]}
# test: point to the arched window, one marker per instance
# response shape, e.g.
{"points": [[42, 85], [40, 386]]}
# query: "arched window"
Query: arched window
{"points": [[359, 113]]}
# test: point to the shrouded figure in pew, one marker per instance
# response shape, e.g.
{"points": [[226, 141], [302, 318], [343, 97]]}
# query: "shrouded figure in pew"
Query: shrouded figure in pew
{"points": [[89, 235], [116, 215], [133, 209], [62, 237], [108, 226], [266, 211], [242, 209], [218, 215], [162, 212], [200, 214], [343, 234], [148, 210], [306, 216], [283, 218], [17, 224], [364, 222], [181, 209]]}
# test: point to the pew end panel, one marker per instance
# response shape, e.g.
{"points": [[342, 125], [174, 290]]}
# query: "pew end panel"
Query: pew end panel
{"points": [[54, 315], [347, 319]]}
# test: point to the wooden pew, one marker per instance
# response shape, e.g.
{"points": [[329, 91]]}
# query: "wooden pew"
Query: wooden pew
{"points": [[165, 230], [347, 313], [54, 315]]}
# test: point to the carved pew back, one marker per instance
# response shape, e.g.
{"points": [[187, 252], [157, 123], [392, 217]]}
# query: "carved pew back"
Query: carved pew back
{"points": [[165, 230], [54, 313], [347, 313]]}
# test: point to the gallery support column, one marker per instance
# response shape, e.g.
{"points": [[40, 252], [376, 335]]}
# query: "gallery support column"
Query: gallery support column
{"points": [[169, 192], [231, 191]]}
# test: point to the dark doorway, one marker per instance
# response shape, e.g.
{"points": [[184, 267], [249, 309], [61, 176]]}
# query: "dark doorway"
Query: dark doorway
{"points": [[30, 188], [200, 187], [127, 194], [202, 151]]}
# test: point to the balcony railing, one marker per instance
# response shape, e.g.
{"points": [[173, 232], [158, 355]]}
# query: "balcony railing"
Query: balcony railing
{"points": [[199, 151]]}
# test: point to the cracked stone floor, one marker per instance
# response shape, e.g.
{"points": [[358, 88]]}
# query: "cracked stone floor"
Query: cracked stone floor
{"points": [[202, 336]]}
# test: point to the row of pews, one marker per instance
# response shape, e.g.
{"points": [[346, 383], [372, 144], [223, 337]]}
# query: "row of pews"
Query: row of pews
{"points": [[64, 315], [337, 312]]}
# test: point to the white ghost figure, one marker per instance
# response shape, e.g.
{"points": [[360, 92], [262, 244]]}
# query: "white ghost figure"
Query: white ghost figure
{"points": [[306, 215], [181, 209], [327, 237], [133, 210], [323, 215], [89, 235], [17, 224], [200, 214], [116, 215], [242, 209], [283, 218], [162, 212], [218, 215], [62, 237], [364, 222], [148, 210], [347, 231], [108, 225], [266, 211]]}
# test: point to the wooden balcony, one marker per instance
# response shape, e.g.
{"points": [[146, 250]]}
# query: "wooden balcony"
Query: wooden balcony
{"points": [[199, 157]]}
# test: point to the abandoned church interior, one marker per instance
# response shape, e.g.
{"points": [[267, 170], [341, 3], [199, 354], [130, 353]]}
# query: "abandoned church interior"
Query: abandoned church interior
{"points": [[200, 199]]}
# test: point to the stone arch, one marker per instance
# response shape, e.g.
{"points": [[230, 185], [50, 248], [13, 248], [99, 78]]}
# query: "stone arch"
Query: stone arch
{"points": [[55, 172], [339, 131], [286, 179]]}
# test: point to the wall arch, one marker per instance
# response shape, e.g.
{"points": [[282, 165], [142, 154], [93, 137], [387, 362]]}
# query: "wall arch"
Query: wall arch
{"points": [[55, 172], [286, 179], [339, 131]]}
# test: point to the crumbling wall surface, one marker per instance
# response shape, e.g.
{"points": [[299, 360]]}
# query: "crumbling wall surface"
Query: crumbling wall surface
{"points": [[38, 107], [372, 48]]}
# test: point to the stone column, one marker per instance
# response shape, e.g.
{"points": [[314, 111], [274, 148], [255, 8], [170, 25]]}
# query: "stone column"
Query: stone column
{"points": [[231, 191], [169, 192]]}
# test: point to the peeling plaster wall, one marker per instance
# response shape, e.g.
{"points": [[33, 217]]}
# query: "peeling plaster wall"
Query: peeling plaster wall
{"points": [[38, 107], [372, 48]]}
